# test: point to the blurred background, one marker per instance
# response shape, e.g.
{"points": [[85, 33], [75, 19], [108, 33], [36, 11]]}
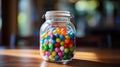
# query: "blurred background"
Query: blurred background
{"points": [[97, 22]]}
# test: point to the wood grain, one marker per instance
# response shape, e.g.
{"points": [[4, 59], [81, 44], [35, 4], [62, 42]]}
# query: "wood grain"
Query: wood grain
{"points": [[84, 57]]}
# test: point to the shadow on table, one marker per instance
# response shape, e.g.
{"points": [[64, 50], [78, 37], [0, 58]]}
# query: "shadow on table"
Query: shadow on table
{"points": [[14, 61]]}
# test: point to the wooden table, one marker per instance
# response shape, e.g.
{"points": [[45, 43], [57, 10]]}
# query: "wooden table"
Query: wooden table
{"points": [[84, 57]]}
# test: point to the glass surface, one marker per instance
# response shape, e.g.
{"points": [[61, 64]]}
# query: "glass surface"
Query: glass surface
{"points": [[57, 39]]}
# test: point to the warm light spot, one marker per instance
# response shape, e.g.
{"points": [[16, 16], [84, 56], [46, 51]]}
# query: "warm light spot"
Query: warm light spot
{"points": [[87, 56], [27, 53]]}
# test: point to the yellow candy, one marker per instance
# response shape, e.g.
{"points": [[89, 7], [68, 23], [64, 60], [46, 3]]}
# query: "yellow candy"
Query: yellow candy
{"points": [[54, 53], [50, 57], [67, 37], [44, 35], [54, 32], [58, 40], [58, 30]]}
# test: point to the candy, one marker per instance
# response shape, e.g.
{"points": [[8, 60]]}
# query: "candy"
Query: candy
{"points": [[58, 30], [53, 37], [54, 32], [66, 45], [43, 51], [65, 57], [63, 29], [50, 57], [54, 53], [51, 48], [67, 37], [62, 43], [42, 41], [50, 45], [46, 41], [70, 45], [60, 53], [46, 47], [56, 57], [50, 33], [44, 35], [57, 35], [53, 42], [63, 32], [57, 49], [72, 34], [43, 47], [66, 50], [62, 37], [48, 37], [47, 53], [61, 48], [67, 40], [57, 45], [72, 49], [58, 40]]}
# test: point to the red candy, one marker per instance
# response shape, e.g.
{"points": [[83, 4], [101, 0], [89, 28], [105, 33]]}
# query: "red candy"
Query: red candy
{"points": [[57, 45], [66, 45]]}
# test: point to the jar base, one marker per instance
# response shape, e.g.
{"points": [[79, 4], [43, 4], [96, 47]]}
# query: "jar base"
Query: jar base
{"points": [[61, 61]]}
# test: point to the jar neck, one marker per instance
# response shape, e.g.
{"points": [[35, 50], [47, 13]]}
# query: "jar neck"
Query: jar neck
{"points": [[58, 19]]}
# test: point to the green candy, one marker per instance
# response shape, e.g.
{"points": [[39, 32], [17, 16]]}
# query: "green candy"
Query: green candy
{"points": [[46, 47], [66, 50], [43, 47], [62, 43], [72, 49], [50, 45], [52, 48], [65, 57]]}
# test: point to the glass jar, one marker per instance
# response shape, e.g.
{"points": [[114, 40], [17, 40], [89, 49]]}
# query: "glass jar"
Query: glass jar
{"points": [[57, 37]]}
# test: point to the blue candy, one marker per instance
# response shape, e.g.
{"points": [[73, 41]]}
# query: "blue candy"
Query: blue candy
{"points": [[62, 37], [57, 35], [72, 34], [48, 37], [53, 42], [42, 41], [56, 57]]}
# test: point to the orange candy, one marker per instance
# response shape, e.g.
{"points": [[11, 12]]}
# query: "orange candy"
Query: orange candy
{"points": [[43, 51], [67, 40], [70, 45], [63, 31], [58, 30]]}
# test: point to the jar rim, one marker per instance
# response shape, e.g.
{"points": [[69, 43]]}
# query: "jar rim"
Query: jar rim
{"points": [[57, 13]]}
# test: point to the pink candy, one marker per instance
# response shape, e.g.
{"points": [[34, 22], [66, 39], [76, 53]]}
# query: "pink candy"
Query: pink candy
{"points": [[60, 53], [47, 53], [46, 41], [57, 49], [50, 33]]}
